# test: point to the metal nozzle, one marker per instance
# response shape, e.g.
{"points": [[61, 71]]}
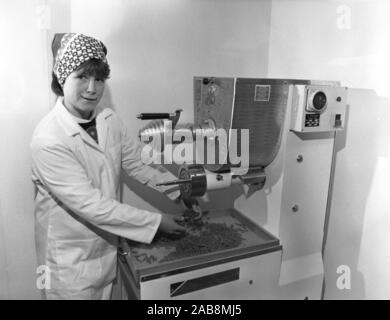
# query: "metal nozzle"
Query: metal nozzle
{"points": [[174, 117], [153, 116]]}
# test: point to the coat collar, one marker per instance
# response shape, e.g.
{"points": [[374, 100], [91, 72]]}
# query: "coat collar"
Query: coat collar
{"points": [[72, 128]]}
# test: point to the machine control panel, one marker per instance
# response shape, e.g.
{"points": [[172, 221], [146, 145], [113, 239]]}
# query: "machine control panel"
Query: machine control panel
{"points": [[318, 108]]}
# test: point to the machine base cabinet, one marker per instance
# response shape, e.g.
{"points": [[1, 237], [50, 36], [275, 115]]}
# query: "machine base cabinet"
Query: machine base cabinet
{"points": [[251, 278]]}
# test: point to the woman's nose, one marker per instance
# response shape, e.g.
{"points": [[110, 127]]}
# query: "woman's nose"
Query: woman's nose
{"points": [[91, 86]]}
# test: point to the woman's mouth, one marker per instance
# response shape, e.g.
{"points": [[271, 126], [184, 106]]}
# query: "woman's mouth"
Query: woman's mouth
{"points": [[89, 99]]}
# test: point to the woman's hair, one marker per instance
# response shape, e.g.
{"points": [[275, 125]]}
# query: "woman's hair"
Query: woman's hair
{"points": [[92, 67]]}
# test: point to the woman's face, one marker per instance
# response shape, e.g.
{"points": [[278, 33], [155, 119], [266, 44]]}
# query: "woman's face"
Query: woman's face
{"points": [[82, 93]]}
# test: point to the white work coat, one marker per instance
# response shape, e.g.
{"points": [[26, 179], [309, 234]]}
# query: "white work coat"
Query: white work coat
{"points": [[77, 215]]}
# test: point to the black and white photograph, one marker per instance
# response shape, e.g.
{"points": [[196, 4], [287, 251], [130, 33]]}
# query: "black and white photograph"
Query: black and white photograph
{"points": [[208, 151]]}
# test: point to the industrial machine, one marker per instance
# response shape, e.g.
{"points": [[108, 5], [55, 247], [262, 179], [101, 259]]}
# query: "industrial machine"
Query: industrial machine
{"points": [[272, 169]]}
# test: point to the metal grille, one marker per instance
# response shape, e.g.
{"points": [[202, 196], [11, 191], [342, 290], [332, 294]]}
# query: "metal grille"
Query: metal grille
{"points": [[264, 119]]}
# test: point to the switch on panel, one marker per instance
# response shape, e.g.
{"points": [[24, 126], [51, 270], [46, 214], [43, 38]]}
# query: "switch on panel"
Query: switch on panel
{"points": [[338, 122]]}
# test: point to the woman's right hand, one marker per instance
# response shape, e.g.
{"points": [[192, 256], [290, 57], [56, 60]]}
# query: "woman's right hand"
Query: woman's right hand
{"points": [[169, 224]]}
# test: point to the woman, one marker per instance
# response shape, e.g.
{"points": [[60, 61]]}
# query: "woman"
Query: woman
{"points": [[78, 150]]}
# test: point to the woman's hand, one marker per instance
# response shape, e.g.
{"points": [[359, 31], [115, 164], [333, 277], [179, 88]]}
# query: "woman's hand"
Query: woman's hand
{"points": [[169, 224]]}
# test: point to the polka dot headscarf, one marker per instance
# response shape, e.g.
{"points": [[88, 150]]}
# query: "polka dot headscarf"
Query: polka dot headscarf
{"points": [[70, 50]]}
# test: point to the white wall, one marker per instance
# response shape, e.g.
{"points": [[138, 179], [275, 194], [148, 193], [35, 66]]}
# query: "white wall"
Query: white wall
{"points": [[23, 100], [26, 29], [343, 40], [359, 224], [347, 41]]}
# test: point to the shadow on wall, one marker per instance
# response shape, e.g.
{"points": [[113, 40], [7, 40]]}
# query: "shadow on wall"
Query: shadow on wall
{"points": [[358, 207]]}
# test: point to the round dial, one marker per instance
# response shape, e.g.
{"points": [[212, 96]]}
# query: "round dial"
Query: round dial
{"points": [[317, 101]]}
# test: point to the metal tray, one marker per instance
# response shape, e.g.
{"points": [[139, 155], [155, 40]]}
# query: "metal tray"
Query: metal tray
{"points": [[161, 258]]}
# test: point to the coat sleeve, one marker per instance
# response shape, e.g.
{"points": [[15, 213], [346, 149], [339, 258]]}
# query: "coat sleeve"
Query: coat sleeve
{"points": [[150, 174], [56, 168]]}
